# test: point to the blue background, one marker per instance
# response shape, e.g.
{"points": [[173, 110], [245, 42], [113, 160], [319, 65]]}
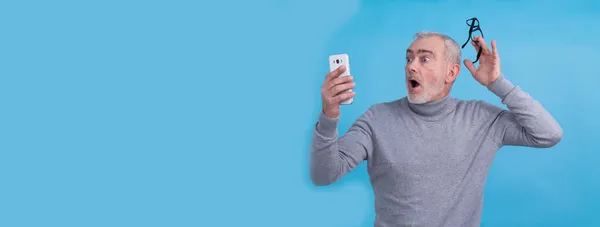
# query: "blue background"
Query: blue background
{"points": [[188, 113]]}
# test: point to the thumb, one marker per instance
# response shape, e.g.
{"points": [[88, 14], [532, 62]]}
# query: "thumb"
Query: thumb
{"points": [[469, 64]]}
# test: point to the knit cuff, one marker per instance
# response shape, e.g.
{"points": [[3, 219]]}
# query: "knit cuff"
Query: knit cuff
{"points": [[327, 126], [501, 87]]}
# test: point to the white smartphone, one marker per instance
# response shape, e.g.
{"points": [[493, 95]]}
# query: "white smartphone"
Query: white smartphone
{"points": [[336, 61]]}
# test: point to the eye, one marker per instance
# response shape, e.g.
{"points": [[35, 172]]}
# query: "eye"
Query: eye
{"points": [[426, 59], [408, 59]]}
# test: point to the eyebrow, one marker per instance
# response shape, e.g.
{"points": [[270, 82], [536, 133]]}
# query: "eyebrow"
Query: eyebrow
{"points": [[420, 51]]}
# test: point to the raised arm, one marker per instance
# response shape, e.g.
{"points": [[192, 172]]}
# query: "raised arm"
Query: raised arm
{"points": [[331, 157], [527, 122]]}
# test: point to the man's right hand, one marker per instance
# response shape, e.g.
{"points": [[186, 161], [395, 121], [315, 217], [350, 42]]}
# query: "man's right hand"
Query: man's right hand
{"points": [[333, 91]]}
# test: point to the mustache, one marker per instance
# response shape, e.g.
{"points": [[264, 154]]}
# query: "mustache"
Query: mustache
{"points": [[416, 77]]}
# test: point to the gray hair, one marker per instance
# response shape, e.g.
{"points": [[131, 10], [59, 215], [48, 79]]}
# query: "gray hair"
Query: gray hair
{"points": [[452, 49]]}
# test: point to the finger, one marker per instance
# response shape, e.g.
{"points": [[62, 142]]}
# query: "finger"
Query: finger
{"points": [[469, 64], [340, 80], [494, 48], [344, 96], [482, 44], [335, 73], [476, 46], [341, 88]]}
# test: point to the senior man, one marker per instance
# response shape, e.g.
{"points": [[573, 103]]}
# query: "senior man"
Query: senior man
{"points": [[428, 154]]}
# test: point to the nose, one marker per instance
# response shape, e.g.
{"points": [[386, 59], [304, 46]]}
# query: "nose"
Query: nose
{"points": [[411, 67]]}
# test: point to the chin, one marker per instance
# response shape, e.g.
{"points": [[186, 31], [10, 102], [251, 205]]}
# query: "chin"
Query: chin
{"points": [[418, 99]]}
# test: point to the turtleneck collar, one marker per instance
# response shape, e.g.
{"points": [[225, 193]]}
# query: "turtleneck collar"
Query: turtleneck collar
{"points": [[433, 110]]}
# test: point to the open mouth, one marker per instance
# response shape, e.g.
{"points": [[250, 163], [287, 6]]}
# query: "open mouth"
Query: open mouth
{"points": [[414, 83]]}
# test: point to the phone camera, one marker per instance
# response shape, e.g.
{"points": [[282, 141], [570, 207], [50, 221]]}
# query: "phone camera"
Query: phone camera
{"points": [[337, 61]]}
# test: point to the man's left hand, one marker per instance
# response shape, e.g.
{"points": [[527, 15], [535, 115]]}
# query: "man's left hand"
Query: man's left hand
{"points": [[489, 62]]}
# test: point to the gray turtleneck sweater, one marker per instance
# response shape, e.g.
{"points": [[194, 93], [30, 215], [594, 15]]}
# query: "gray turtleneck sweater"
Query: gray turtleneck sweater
{"points": [[428, 163]]}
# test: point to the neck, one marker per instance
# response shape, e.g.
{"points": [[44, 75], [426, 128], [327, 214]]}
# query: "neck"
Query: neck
{"points": [[434, 109]]}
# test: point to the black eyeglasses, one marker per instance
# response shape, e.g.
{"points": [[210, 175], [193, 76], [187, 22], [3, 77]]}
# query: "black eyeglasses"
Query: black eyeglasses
{"points": [[473, 27]]}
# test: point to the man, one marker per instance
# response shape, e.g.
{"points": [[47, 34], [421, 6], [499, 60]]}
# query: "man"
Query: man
{"points": [[428, 154]]}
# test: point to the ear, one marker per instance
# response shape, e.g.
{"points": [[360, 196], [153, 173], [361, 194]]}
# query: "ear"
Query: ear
{"points": [[452, 72]]}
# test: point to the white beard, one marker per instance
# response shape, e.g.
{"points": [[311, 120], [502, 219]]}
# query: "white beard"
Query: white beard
{"points": [[429, 91]]}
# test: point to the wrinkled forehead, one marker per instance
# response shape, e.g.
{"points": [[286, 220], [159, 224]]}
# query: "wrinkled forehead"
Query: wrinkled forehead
{"points": [[433, 45]]}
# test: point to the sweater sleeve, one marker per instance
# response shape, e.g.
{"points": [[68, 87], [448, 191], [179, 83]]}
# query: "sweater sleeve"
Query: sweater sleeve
{"points": [[527, 122], [331, 157]]}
